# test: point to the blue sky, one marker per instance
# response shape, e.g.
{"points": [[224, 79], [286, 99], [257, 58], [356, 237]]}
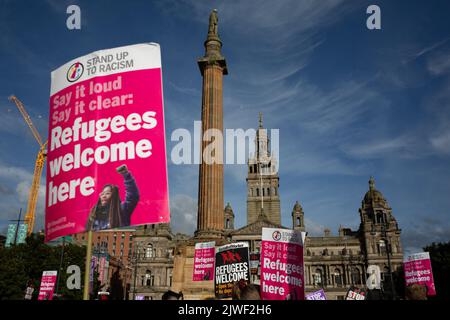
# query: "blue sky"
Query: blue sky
{"points": [[349, 102]]}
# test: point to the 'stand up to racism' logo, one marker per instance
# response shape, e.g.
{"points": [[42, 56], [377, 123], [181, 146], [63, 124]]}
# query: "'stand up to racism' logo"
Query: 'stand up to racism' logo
{"points": [[75, 72], [276, 235]]}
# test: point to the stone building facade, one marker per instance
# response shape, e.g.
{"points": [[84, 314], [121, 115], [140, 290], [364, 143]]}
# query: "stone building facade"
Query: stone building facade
{"points": [[117, 244], [165, 261], [333, 263], [152, 261]]}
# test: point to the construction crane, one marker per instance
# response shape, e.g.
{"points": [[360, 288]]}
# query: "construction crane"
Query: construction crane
{"points": [[38, 167]]}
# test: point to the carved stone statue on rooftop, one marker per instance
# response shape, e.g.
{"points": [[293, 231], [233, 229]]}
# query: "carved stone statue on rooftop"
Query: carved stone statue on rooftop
{"points": [[213, 20]]}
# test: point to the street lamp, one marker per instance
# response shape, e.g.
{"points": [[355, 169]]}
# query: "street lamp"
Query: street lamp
{"points": [[135, 261]]}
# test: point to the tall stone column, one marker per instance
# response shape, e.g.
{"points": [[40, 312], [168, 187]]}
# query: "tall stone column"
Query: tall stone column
{"points": [[210, 219]]}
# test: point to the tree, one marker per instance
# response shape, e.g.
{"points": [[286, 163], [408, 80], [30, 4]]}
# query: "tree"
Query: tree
{"points": [[26, 262], [440, 263]]}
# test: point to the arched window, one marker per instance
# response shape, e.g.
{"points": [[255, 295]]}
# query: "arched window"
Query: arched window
{"points": [[149, 278], [257, 192], [268, 191], [317, 277], [308, 252], [380, 217], [227, 224], [251, 169], [263, 193], [356, 276], [381, 247], [337, 277], [149, 251], [298, 221]]}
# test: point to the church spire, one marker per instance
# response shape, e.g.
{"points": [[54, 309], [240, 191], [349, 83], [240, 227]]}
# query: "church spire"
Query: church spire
{"points": [[260, 120]]}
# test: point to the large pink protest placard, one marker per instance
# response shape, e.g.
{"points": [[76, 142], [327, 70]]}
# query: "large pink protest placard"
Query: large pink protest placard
{"points": [[204, 258], [282, 275], [418, 270], [106, 161], [47, 286]]}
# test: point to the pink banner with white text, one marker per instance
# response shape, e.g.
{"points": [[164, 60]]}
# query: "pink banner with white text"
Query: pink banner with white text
{"points": [[47, 286], [418, 270], [106, 161], [282, 275], [204, 261]]}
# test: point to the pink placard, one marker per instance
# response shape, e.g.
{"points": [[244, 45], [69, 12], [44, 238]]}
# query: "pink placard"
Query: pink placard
{"points": [[204, 259], [282, 276], [102, 270], [47, 286], [106, 161], [418, 270]]}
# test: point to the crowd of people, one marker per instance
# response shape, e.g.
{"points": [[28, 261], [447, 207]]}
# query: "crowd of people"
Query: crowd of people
{"points": [[245, 291]]}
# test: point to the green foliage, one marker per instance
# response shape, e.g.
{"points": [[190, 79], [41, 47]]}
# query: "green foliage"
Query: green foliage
{"points": [[25, 262], [440, 263]]}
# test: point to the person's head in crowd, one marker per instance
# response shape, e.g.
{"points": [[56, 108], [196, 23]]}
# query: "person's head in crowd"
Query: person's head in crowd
{"points": [[170, 295], [244, 291], [416, 292]]}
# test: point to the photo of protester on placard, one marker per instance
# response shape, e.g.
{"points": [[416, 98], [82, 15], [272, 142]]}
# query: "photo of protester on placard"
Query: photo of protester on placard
{"points": [[109, 212]]}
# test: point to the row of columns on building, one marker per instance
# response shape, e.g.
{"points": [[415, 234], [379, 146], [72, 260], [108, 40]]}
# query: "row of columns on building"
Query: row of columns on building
{"points": [[327, 275]]}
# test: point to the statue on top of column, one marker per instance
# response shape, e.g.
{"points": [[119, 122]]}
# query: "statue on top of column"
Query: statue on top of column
{"points": [[213, 20]]}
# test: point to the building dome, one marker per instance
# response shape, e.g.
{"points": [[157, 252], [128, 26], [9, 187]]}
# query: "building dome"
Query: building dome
{"points": [[297, 207], [228, 209], [373, 195]]}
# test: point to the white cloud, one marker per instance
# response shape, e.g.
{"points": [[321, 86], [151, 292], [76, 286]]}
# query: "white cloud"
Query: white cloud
{"points": [[281, 18], [288, 28], [439, 63], [441, 142], [313, 228], [425, 231], [183, 210], [404, 146], [21, 179], [184, 90], [10, 172], [317, 163], [13, 123]]}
